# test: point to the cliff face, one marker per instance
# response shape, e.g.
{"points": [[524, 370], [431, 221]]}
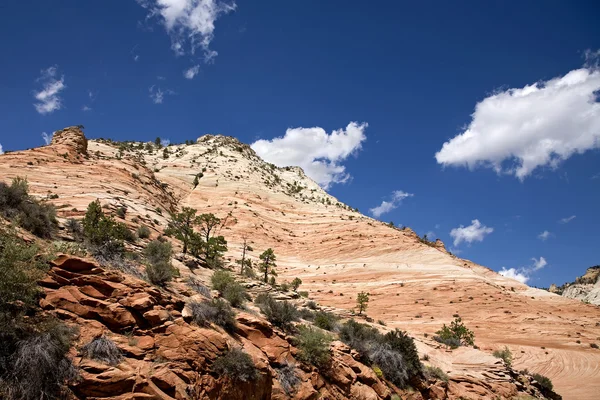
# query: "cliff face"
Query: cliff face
{"points": [[586, 288], [335, 250]]}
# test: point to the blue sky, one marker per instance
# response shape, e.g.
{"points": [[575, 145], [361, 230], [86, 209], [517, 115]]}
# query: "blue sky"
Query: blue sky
{"points": [[394, 80]]}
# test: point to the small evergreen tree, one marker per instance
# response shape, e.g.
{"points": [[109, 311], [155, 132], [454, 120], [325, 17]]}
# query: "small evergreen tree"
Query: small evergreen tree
{"points": [[157, 142], [267, 264], [296, 283], [361, 300], [181, 226]]}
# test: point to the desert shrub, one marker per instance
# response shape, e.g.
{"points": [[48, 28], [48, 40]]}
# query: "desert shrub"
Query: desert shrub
{"points": [[199, 287], [216, 311], [19, 271], [402, 343], [103, 234], [143, 232], [279, 313], [74, 226], [457, 331], [284, 287], [545, 382], [121, 211], [296, 283], [505, 355], [390, 362], [313, 346], [102, 349], [73, 248], [288, 378], [220, 279], [325, 320], [235, 294], [17, 205], [312, 304], [593, 345], [435, 373], [159, 268], [39, 367], [451, 342], [358, 336], [303, 293], [237, 365], [306, 314]]}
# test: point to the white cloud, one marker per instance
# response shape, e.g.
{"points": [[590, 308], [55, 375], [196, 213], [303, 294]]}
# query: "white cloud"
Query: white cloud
{"points": [[387, 206], [472, 233], [189, 22], [86, 108], [318, 153], [47, 138], [518, 130], [190, 73], [157, 95], [539, 264], [524, 274], [544, 236], [514, 274], [48, 98], [431, 236], [165, 142], [1, 150], [567, 219]]}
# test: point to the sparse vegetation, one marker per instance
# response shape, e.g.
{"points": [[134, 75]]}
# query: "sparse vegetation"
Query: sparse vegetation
{"points": [[30, 214], [199, 287], [279, 313], [143, 232], [216, 311], [220, 279], [505, 355], [325, 320], [314, 346], [545, 383], [362, 300], [435, 373], [102, 233], [159, 268], [456, 334], [237, 365], [102, 349], [296, 283], [288, 378], [267, 265]]}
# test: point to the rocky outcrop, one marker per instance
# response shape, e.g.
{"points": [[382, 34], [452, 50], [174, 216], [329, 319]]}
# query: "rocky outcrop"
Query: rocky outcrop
{"points": [[585, 288], [165, 357], [71, 137]]}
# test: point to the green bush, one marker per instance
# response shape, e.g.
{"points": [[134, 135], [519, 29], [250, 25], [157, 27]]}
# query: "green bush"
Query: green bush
{"points": [[505, 355], [102, 349], [296, 283], [19, 271], [313, 346], [435, 373], [220, 279], [279, 313], [159, 268], [216, 311], [390, 362], [235, 294], [143, 232], [104, 235], [237, 365], [402, 343], [545, 382], [456, 332], [325, 320], [17, 205]]}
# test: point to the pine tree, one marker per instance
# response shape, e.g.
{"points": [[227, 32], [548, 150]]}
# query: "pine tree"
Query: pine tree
{"points": [[267, 265], [361, 300]]}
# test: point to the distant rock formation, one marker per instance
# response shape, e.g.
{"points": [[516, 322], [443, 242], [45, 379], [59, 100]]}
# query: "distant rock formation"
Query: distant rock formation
{"points": [[72, 137], [585, 288]]}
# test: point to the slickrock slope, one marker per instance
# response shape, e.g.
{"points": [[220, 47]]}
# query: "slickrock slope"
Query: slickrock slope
{"points": [[336, 251]]}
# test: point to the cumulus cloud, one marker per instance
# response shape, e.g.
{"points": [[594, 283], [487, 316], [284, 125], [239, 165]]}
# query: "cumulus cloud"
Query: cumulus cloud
{"points": [[190, 73], [469, 234], [165, 142], [514, 274], [47, 138], [157, 95], [387, 206], [517, 130], [544, 236], [320, 154], [189, 23], [48, 97], [524, 274], [538, 263], [567, 219], [1, 150]]}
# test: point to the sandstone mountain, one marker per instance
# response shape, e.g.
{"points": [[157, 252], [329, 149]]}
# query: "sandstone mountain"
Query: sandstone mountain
{"points": [[414, 285]]}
